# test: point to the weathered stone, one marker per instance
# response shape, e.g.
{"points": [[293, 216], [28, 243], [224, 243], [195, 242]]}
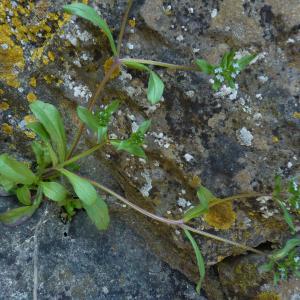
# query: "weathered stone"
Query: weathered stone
{"points": [[233, 145]]}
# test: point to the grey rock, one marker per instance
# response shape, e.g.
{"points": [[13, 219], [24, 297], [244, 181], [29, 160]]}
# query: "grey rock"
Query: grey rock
{"points": [[75, 261]]}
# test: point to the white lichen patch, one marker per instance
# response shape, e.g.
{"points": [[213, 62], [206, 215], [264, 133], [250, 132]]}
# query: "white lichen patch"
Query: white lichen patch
{"points": [[188, 157], [78, 90], [162, 140], [214, 13], [183, 202], [145, 189], [263, 78], [245, 136]]}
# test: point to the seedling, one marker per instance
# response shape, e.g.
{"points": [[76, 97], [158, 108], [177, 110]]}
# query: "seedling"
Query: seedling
{"points": [[227, 71]]}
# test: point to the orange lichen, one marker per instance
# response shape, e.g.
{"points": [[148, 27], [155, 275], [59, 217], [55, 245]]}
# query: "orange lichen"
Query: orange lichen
{"points": [[221, 216], [4, 106], [6, 128], [32, 82], [31, 97], [107, 65]]}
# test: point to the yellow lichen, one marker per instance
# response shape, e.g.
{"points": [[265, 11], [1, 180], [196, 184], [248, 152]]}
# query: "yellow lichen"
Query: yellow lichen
{"points": [[221, 216], [275, 139], [32, 82], [1, 92], [4, 106], [107, 65], [30, 134], [31, 97], [11, 58], [6, 128], [29, 119], [296, 115], [51, 55], [132, 23], [268, 296]]}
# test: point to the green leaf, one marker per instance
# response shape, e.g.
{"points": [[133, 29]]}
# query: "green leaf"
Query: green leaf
{"points": [[130, 148], [15, 171], [290, 245], [83, 189], [17, 215], [199, 258], [7, 184], [90, 14], [266, 267], [88, 118], [39, 129], [205, 196], [135, 65], [155, 88], [286, 215], [144, 127], [23, 195], [98, 213], [54, 191], [194, 212], [101, 134], [216, 85], [205, 67], [227, 59], [51, 119], [112, 107], [42, 156], [245, 61]]}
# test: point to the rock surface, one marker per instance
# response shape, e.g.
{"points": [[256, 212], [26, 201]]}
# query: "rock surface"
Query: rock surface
{"points": [[233, 143], [75, 261]]}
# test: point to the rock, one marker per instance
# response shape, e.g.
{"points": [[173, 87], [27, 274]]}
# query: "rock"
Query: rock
{"points": [[63, 63], [75, 261]]}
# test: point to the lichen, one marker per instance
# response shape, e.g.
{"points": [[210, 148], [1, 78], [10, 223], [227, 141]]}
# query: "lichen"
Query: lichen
{"points": [[268, 296], [107, 65], [7, 129], [31, 97], [221, 216], [4, 106]]}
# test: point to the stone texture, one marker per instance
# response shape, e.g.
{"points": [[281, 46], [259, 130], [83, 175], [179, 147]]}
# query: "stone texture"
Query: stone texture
{"points": [[191, 120], [75, 261]]}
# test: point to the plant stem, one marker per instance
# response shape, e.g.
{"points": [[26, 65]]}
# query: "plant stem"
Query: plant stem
{"points": [[123, 26], [217, 238], [92, 102], [135, 207], [159, 64], [81, 155], [236, 197], [179, 223]]}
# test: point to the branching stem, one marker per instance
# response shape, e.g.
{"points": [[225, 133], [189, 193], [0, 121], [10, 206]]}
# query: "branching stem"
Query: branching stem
{"points": [[92, 102], [179, 223]]}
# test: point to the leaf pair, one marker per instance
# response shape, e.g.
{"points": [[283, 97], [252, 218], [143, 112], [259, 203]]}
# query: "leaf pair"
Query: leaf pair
{"points": [[134, 144], [90, 14], [94, 205], [155, 85], [205, 197], [98, 122], [19, 215], [50, 130]]}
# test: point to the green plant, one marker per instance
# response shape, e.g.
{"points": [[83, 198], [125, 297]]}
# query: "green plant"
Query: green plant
{"points": [[286, 261], [227, 71], [55, 177]]}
